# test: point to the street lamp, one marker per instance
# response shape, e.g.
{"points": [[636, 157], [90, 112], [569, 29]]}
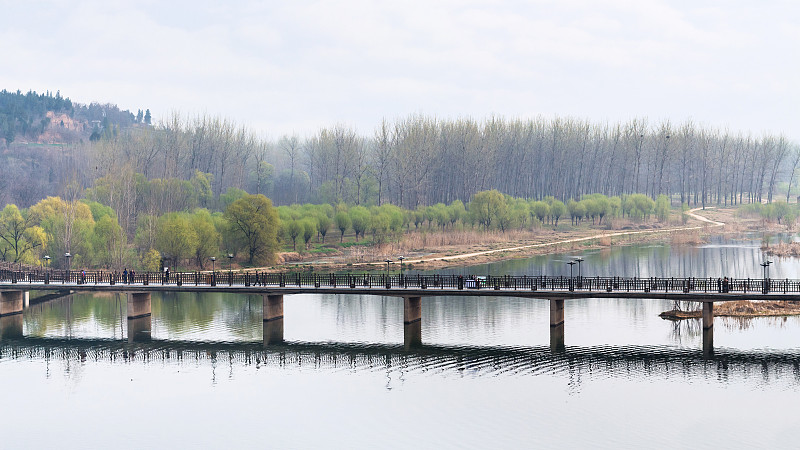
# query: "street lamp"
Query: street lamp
{"points": [[47, 268], [580, 275], [388, 261], [571, 263], [401, 258], [230, 260], [213, 270], [67, 256], [765, 265]]}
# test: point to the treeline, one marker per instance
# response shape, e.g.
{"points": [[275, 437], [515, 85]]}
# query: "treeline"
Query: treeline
{"points": [[181, 164], [250, 230], [779, 211], [422, 161], [89, 232]]}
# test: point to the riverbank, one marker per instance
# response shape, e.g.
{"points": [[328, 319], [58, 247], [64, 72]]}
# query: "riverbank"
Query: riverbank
{"points": [[741, 308], [434, 251]]}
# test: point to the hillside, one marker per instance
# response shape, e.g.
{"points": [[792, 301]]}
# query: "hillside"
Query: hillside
{"points": [[49, 118]]}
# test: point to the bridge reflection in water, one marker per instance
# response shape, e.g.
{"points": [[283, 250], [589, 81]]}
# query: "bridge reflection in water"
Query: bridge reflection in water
{"points": [[475, 361], [14, 288]]}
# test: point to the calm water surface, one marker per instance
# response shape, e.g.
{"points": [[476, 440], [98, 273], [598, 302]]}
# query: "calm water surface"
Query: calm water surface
{"points": [[485, 378]]}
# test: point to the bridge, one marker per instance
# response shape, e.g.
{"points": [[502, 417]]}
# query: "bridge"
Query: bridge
{"points": [[16, 283]]}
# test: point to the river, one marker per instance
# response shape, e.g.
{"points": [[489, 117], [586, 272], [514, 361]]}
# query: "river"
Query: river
{"points": [[485, 377]]}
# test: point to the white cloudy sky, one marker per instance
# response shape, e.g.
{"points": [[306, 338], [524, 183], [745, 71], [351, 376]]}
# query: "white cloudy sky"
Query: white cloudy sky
{"points": [[295, 66]]}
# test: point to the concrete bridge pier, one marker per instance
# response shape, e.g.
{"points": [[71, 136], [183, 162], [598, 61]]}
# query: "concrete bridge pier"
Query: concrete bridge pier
{"points": [[139, 305], [708, 329], [11, 326], [412, 322], [139, 316], [273, 318], [556, 325], [11, 302]]}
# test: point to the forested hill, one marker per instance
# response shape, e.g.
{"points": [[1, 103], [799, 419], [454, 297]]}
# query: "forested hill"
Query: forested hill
{"points": [[56, 147], [52, 119]]}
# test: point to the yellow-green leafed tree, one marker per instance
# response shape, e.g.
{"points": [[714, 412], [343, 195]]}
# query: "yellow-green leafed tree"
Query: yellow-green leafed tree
{"points": [[176, 239], [487, 206], [151, 261], [208, 238], [69, 227], [18, 237], [108, 243], [253, 219]]}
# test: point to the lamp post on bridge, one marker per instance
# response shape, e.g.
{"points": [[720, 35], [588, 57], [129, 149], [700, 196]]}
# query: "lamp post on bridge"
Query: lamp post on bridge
{"points": [[388, 281], [579, 260], [67, 256], [765, 287], [230, 269], [571, 285], [401, 258], [47, 268], [213, 270]]}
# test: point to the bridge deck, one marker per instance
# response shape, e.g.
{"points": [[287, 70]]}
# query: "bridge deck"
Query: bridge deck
{"points": [[535, 287]]}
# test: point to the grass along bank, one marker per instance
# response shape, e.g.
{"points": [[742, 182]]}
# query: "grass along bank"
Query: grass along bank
{"points": [[436, 250]]}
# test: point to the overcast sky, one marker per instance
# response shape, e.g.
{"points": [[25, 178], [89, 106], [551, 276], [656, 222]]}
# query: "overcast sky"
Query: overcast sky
{"points": [[296, 66]]}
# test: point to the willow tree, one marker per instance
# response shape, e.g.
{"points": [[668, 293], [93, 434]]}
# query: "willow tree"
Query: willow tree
{"points": [[18, 236], [253, 219]]}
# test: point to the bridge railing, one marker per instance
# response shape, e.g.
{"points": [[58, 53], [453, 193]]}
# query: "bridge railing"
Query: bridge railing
{"points": [[9, 273]]}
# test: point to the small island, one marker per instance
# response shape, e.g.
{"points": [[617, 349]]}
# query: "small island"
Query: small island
{"points": [[741, 308]]}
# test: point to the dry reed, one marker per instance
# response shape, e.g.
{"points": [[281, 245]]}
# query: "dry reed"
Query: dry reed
{"points": [[687, 238]]}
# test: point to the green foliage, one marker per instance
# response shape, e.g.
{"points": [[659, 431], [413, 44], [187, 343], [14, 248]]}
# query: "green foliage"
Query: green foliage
{"points": [[230, 196], [323, 224], [597, 206], [176, 239], [540, 210], [257, 223], [151, 261], [99, 210], [577, 211], [557, 209], [108, 242], [343, 223], [638, 206], [68, 226], [380, 225], [487, 206], [208, 237], [662, 208], [359, 218], [201, 183], [18, 236], [294, 228], [456, 211], [309, 229]]}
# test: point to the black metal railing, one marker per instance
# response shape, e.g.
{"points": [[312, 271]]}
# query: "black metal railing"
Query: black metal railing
{"points": [[19, 274]]}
